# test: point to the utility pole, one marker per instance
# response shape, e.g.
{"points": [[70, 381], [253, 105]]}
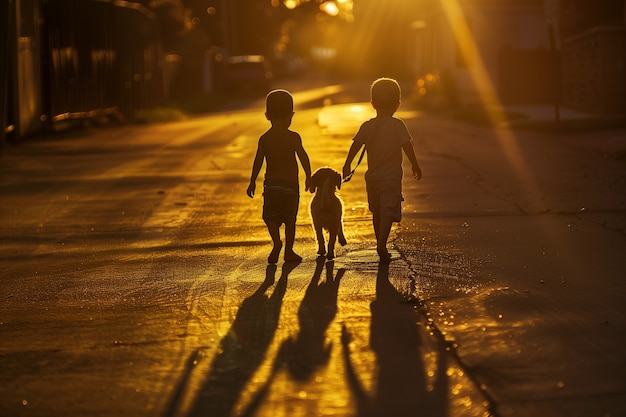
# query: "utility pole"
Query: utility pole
{"points": [[556, 78]]}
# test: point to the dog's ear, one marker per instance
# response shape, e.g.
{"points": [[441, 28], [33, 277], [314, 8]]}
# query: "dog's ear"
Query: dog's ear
{"points": [[314, 181], [338, 180]]}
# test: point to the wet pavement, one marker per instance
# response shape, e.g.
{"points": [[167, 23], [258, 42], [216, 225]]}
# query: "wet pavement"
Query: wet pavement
{"points": [[135, 279], [521, 269]]}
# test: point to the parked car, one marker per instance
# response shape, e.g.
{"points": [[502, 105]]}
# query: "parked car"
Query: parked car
{"points": [[248, 74]]}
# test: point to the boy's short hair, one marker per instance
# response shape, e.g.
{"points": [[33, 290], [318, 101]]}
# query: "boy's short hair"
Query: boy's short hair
{"points": [[279, 104], [385, 93]]}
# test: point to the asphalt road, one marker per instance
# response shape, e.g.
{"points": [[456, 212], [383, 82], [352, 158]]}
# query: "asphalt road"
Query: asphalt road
{"points": [[135, 282]]}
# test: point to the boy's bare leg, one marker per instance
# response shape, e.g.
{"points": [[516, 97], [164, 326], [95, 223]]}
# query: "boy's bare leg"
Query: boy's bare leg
{"points": [[274, 230], [290, 236], [376, 224], [382, 235]]}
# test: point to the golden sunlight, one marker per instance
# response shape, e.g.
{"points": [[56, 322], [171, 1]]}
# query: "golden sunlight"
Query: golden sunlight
{"points": [[488, 97], [333, 8]]}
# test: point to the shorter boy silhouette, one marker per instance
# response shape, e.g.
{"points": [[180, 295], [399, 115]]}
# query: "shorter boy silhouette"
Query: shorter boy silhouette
{"points": [[278, 147], [384, 138]]}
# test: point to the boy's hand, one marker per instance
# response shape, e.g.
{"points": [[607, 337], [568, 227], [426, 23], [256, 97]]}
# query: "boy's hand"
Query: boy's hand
{"points": [[250, 190], [417, 172], [307, 184]]}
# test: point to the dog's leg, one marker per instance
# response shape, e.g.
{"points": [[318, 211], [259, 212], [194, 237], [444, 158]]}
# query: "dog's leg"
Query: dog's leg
{"points": [[321, 245], [341, 236], [332, 237]]}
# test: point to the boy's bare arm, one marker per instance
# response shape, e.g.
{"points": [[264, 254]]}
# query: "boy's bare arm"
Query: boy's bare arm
{"points": [[256, 168], [354, 149], [407, 147], [306, 165]]}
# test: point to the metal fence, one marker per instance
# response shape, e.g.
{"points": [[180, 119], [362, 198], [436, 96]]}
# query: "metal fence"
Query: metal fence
{"points": [[77, 59]]}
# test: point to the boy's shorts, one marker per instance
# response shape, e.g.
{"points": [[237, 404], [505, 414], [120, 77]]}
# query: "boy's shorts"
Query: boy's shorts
{"points": [[280, 202], [385, 198]]}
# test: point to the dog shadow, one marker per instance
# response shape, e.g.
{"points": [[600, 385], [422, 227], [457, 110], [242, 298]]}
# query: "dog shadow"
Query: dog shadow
{"points": [[244, 347], [308, 350], [303, 354], [403, 387]]}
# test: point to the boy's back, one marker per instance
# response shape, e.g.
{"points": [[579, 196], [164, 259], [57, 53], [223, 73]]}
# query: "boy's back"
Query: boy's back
{"points": [[279, 146], [383, 138]]}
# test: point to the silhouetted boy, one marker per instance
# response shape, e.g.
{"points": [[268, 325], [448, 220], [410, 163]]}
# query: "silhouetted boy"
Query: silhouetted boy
{"points": [[384, 138], [279, 147]]}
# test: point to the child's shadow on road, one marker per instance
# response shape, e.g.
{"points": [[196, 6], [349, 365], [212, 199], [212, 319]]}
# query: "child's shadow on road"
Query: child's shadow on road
{"points": [[403, 387]]}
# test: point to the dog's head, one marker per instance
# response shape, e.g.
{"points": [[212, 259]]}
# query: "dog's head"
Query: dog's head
{"points": [[321, 175]]}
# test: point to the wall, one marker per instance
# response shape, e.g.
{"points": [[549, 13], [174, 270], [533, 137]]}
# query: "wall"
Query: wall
{"points": [[465, 45], [593, 70]]}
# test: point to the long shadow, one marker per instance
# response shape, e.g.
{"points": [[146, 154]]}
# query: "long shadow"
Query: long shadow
{"points": [[308, 351], [243, 349], [402, 387]]}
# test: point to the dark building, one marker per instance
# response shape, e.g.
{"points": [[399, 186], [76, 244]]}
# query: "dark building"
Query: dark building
{"points": [[593, 54]]}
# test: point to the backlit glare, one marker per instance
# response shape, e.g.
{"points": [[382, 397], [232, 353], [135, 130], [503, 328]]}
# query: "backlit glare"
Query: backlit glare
{"points": [[330, 8], [291, 4]]}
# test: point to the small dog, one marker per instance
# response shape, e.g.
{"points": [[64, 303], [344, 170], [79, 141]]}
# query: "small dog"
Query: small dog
{"points": [[327, 210]]}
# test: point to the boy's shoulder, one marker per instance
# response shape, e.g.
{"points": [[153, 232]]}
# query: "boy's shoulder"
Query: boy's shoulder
{"points": [[279, 131], [279, 135], [383, 122], [384, 119]]}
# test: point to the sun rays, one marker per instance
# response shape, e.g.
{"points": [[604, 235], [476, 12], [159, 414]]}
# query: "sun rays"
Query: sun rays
{"points": [[488, 97]]}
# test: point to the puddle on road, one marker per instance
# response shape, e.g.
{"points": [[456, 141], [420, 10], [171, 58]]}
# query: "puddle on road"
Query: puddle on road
{"points": [[440, 272]]}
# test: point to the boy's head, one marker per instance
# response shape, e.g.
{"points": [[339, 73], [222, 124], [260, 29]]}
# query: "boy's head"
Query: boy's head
{"points": [[279, 105], [385, 94]]}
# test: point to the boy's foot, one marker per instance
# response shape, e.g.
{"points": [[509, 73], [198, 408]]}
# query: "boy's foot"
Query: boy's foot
{"points": [[273, 258], [385, 257], [291, 256]]}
